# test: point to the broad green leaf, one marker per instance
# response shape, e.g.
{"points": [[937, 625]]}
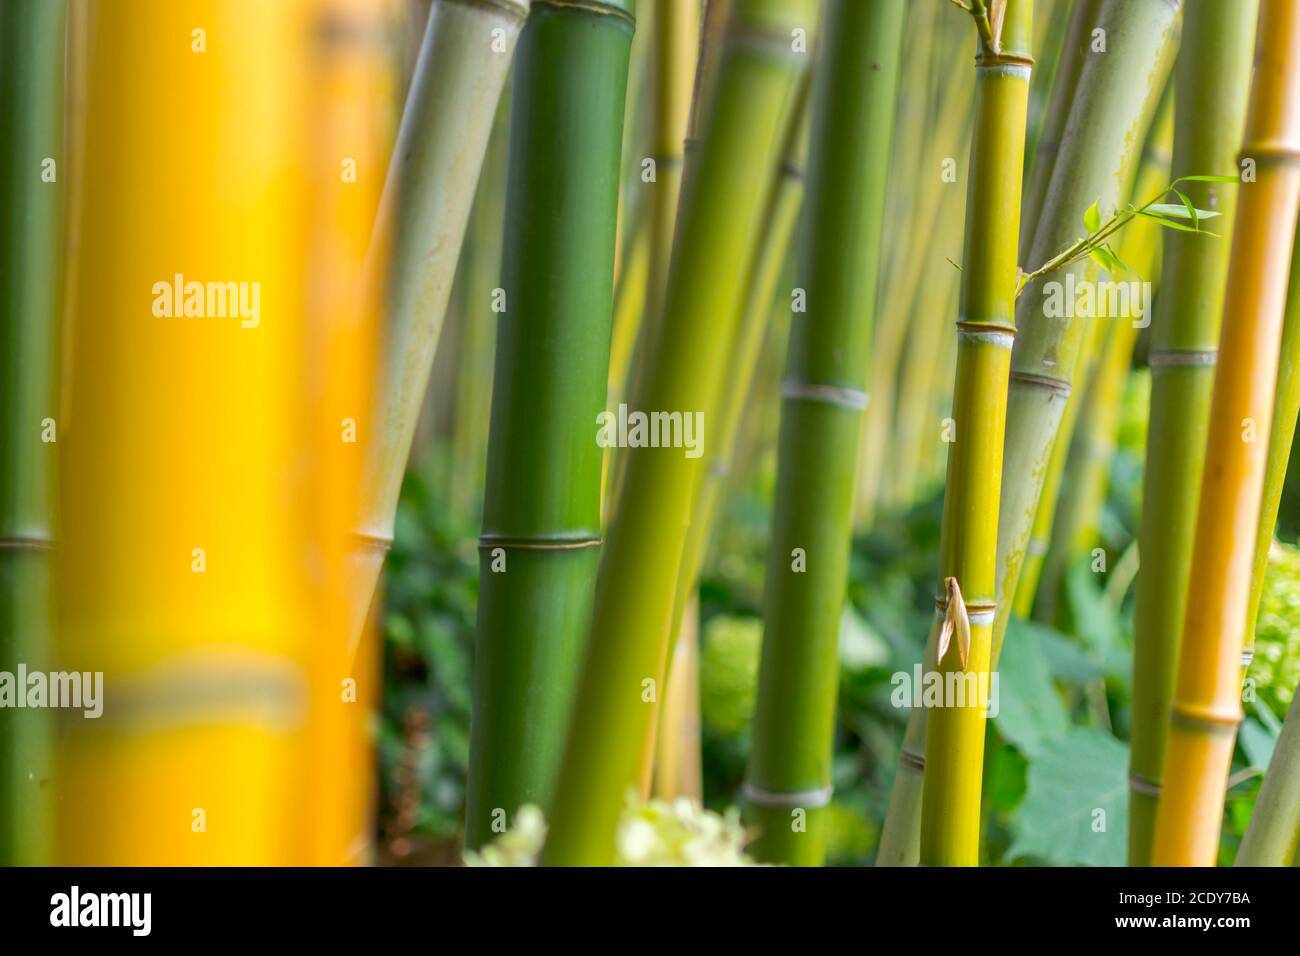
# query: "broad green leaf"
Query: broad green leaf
{"points": [[1076, 808], [1256, 742], [1092, 218], [1066, 659], [1029, 708]]}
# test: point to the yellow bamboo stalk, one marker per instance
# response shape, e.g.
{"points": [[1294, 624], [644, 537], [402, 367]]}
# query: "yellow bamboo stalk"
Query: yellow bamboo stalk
{"points": [[190, 496], [1206, 707]]}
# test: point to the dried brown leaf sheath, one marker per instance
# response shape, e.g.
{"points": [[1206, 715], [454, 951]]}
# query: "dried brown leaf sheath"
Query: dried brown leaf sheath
{"points": [[955, 621]]}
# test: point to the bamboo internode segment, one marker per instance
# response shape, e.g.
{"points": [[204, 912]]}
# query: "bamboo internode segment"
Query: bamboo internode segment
{"points": [[794, 719], [206, 492], [540, 540], [718, 217], [1206, 704], [950, 809], [1115, 94], [464, 59], [1212, 79], [31, 256]]}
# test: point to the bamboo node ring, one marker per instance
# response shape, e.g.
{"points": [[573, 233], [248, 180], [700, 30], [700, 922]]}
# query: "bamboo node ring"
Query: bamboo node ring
{"points": [[591, 6], [1182, 358], [26, 543], [556, 542], [1060, 386], [1205, 720], [910, 758], [761, 797], [1143, 785], [849, 398]]}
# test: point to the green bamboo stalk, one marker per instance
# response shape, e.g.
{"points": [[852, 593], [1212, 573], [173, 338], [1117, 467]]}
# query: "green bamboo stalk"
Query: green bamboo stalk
{"points": [[541, 509], [1274, 828], [954, 752], [450, 107], [717, 221], [1116, 94], [1212, 84], [785, 194], [31, 246], [1286, 406], [787, 786]]}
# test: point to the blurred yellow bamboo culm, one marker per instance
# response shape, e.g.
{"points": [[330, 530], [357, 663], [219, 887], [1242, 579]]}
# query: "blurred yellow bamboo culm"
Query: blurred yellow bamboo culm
{"points": [[221, 354]]}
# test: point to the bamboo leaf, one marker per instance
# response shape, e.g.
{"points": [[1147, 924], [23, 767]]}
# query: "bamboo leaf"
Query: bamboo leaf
{"points": [[1092, 217], [1204, 179], [1171, 224], [1186, 211]]}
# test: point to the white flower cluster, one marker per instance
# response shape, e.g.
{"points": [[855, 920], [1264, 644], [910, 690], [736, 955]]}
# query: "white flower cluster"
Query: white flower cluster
{"points": [[654, 833]]}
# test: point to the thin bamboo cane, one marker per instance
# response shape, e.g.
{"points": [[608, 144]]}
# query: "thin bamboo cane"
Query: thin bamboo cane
{"points": [[1074, 53], [677, 768], [954, 752], [33, 171], [898, 300], [787, 786], [1286, 406], [1206, 707], [540, 539], [1274, 829], [717, 223], [676, 39], [1212, 85], [430, 188], [919, 375], [1116, 93]]}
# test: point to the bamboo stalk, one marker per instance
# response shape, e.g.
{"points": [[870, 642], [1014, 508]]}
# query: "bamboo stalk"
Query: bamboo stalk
{"points": [[717, 222], [1286, 406], [541, 538], [31, 250], [191, 530], [1206, 707], [898, 300], [788, 782], [423, 214], [1274, 828], [676, 39], [1096, 151], [1071, 524], [1074, 53], [1212, 85], [677, 768], [1116, 93], [954, 752], [785, 192]]}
